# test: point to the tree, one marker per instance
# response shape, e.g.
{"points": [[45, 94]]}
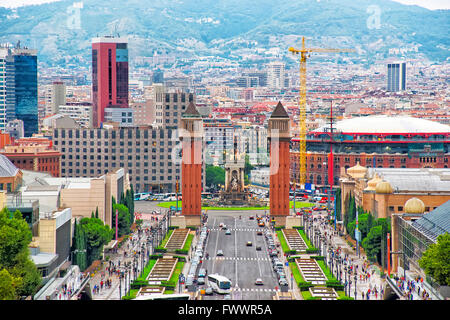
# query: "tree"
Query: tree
{"points": [[214, 176], [131, 204], [8, 285], [15, 236], [372, 244], [124, 222], [436, 260], [79, 247], [97, 235], [338, 204]]}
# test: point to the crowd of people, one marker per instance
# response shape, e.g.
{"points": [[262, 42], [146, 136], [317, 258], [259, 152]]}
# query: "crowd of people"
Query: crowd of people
{"points": [[410, 287], [364, 273]]}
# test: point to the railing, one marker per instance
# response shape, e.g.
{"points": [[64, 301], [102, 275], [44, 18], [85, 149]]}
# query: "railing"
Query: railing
{"points": [[394, 287]]}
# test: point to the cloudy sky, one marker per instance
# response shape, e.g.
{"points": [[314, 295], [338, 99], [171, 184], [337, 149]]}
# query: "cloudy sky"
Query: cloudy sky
{"points": [[430, 4]]}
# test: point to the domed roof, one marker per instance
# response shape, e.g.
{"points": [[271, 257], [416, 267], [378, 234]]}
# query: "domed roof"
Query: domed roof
{"points": [[414, 205], [372, 184], [383, 187], [357, 171]]}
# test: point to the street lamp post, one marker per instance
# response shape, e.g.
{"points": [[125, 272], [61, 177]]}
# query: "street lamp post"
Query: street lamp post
{"points": [[356, 278], [120, 286]]}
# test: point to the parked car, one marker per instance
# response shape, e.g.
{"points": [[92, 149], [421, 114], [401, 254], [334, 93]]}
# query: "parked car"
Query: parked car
{"points": [[282, 282], [201, 280], [202, 272]]}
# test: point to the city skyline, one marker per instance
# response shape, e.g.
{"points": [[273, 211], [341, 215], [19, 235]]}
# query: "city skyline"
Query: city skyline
{"points": [[167, 151]]}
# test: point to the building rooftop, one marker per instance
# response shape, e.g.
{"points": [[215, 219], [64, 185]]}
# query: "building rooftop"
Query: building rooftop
{"points": [[7, 169], [386, 124], [420, 180], [435, 222], [279, 112]]}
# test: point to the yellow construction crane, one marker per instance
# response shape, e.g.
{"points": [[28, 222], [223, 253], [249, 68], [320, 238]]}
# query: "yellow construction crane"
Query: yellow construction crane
{"points": [[304, 54]]}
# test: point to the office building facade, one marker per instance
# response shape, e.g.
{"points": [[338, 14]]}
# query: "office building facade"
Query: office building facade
{"points": [[396, 77], [149, 155], [109, 76], [26, 89]]}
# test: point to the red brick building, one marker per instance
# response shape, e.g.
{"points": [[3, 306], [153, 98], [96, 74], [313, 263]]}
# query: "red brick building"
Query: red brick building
{"points": [[373, 141], [35, 154]]}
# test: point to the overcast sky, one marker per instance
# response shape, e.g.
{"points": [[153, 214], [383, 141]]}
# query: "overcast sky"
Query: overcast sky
{"points": [[430, 4]]}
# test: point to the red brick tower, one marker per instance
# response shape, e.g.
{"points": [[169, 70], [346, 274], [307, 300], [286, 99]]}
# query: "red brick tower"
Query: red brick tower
{"points": [[279, 139], [191, 137]]}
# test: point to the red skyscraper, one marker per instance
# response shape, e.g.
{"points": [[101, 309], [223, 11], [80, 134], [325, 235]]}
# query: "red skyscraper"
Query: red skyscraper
{"points": [[109, 76]]}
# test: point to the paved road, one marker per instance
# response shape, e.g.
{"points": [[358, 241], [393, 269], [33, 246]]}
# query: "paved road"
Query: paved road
{"points": [[240, 263]]}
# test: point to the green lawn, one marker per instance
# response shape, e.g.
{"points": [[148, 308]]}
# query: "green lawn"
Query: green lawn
{"points": [[295, 272], [147, 270], [282, 240], [326, 270], [305, 238], [166, 238], [298, 204], [176, 272], [188, 242]]}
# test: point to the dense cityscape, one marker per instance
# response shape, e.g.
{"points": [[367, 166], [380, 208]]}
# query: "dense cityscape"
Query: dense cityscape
{"points": [[279, 172]]}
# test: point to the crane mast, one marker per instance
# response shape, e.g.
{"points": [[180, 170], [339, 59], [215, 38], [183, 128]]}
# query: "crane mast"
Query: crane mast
{"points": [[304, 54]]}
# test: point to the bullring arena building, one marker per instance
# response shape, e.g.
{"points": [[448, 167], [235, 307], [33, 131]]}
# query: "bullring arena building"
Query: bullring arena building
{"points": [[379, 141]]}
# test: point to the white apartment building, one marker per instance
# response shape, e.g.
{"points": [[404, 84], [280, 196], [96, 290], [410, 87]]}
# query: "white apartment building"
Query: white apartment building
{"points": [[80, 112], [276, 75], [7, 87]]}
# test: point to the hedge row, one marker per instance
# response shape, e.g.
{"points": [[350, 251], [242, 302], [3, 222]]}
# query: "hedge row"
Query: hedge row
{"points": [[304, 285]]}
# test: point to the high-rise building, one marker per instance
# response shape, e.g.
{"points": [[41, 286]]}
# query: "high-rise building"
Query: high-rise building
{"points": [[58, 96], [396, 76], [275, 75], [169, 104], [7, 97], [109, 76], [26, 88]]}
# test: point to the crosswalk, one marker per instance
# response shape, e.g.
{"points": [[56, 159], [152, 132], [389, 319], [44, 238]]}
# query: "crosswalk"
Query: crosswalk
{"points": [[240, 258], [237, 229], [253, 290]]}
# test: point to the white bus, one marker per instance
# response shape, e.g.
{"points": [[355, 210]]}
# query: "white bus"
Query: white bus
{"points": [[141, 196], [219, 284]]}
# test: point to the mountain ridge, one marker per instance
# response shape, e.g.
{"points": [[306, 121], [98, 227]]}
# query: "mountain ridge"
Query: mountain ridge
{"points": [[199, 27]]}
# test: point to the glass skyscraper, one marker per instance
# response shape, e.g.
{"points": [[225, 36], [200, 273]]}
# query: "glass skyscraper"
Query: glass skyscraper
{"points": [[26, 89]]}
